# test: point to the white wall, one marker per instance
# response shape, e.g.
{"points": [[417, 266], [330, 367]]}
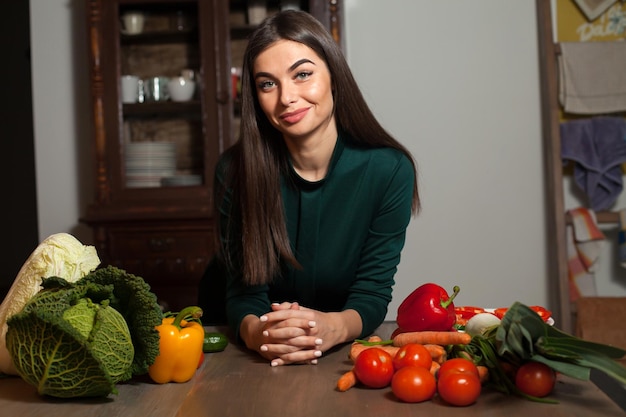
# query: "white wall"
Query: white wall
{"points": [[455, 81], [61, 100], [458, 83]]}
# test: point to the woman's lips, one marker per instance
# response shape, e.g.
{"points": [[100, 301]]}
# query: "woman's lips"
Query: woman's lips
{"points": [[294, 116]]}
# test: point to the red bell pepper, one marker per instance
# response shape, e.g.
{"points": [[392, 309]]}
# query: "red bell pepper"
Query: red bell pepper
{"points": [[467, 312], [427, 308]]}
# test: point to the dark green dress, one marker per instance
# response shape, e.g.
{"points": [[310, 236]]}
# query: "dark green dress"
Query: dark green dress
{"points": [[346, 230]]}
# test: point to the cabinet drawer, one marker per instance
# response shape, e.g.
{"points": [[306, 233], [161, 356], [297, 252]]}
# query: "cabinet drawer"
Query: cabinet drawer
{"points": [[171, 261], [162, 256], [156, 244]]}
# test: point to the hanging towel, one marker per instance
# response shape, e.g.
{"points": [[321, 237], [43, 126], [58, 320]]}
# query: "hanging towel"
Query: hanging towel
{"points": [[584, 244], [598, 147], [621, 238], [592, 77]]}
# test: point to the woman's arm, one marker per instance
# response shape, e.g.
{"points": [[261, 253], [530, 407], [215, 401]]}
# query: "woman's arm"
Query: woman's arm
{"points": [[370, 292]]}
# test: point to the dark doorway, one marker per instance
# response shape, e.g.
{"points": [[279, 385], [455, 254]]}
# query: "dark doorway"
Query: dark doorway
{"points": [[18, 206]]}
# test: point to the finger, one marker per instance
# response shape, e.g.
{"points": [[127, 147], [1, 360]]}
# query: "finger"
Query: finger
{"points": [[281, 347], [297, 318], [290, 330], [280, 306], [279, 362], [277, 350], [284, 333], [301, 356]]}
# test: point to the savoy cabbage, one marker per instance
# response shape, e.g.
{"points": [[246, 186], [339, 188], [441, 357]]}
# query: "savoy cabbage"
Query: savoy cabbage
{"points": [[81, 339]]}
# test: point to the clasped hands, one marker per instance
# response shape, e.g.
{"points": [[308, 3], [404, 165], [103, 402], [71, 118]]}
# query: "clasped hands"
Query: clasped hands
{"points": [[289, 334], [293, 334]]}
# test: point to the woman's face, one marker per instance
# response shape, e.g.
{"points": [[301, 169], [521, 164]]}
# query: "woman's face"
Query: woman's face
{"points": [[293, 85]]}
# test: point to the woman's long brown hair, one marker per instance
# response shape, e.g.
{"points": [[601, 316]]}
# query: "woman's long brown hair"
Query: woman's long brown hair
{"points": [[258, 235]]}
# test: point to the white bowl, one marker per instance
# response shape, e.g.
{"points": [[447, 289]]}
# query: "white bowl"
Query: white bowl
{"points": [[181, 88]]}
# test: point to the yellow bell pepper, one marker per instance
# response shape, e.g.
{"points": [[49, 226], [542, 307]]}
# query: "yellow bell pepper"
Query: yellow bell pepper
{"points": [[180, 347]]}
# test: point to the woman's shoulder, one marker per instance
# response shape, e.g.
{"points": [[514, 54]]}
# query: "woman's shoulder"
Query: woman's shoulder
{"points": [[380, 157]]}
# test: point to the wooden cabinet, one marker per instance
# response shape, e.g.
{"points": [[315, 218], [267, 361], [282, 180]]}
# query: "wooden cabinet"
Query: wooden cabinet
{"points": [[154, 156]]}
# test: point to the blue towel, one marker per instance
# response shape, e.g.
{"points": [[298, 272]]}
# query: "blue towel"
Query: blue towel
{"points": [[597, 145]]}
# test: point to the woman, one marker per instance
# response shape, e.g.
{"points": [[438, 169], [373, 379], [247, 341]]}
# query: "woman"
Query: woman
{"points": [[314, 199]]}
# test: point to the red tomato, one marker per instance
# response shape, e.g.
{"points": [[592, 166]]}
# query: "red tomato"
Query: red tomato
{"points": [[374, 368], [457, 365], [467, 312], [458, 388], [499, 312], [413, 384], [535, 378], [412, 354]]}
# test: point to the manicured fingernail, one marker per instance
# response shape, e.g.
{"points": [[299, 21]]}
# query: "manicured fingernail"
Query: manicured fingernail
{"points": [[312, 323], [318, 341], [275, 304], [318, 353], [264, 348], [266, 333], [274, 363], [263, 318], [314, 362]]}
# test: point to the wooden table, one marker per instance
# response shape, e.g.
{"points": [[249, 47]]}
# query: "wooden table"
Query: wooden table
{"points": [[238, 383]]}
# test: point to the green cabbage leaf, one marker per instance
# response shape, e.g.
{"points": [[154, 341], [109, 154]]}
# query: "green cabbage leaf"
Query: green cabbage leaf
{"points": [[68, 341]]}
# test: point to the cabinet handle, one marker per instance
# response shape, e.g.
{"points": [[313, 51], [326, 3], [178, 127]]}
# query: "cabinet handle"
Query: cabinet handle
{"points": [[160, 245]]}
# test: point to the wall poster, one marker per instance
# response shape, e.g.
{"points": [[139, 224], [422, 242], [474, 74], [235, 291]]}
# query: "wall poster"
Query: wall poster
{"points": [[574, 26]]}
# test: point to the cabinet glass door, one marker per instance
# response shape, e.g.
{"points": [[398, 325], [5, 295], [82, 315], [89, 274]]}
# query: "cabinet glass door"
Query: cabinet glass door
{"points": [[161, 137]]}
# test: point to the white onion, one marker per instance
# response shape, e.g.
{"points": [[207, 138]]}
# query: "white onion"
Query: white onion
{"points": [[477, 324]]}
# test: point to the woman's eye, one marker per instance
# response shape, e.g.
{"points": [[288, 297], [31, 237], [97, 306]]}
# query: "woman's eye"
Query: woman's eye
{"points": [[266, 85], [303, 75]]}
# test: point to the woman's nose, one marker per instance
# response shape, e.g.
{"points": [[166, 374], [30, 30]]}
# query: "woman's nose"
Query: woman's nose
{"points": [[288, 95]]}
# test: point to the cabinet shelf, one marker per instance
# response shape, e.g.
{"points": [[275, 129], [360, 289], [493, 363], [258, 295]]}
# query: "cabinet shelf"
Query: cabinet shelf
{"points": [[602, 217], [161, 37], [162, 108]]}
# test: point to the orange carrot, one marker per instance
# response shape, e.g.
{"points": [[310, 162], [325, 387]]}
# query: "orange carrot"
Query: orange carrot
{"points": [[346, 381], [392, 350], [396, 332], [483, 373], [442, 338], [358, 347], [355, 350], [434, 367], [437, 352]]}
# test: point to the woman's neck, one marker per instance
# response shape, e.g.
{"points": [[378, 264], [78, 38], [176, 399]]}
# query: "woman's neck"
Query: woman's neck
{"points": [[311, 156]]}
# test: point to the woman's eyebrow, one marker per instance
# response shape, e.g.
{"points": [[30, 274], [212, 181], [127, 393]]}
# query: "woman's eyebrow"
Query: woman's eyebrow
{"points": [[291, 68], [300, 62]]}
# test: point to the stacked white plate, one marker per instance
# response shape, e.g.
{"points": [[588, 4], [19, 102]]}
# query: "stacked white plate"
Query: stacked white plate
{"points": [[148, 162]]}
